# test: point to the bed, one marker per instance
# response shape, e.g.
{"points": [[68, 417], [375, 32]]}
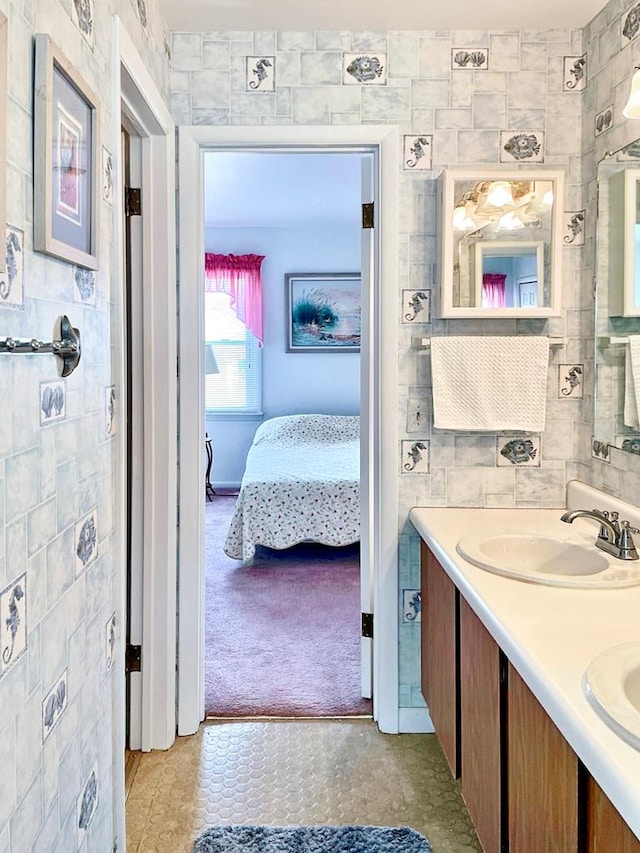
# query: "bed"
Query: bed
{"points": [[301, 484]]}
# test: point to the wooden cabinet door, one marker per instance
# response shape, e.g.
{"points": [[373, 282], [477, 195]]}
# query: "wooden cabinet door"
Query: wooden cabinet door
{"points": [[439, 659], [480, 713], [606, 830], [542, 777]]}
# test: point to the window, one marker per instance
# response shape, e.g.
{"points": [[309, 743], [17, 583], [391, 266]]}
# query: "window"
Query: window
{"points": [[237, 387]]}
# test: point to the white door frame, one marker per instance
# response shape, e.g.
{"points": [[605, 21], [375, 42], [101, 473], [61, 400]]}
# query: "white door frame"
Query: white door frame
{"points": [[382, 417], [135, 95]]}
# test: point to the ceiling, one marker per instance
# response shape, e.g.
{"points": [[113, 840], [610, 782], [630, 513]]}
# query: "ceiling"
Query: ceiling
{"points": [[281, 190], [207, 15]]}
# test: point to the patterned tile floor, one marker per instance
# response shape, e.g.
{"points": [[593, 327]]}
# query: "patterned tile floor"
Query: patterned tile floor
{"points": [[295, 772]]}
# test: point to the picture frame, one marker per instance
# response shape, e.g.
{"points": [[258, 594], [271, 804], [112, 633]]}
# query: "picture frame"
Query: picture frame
{"points": [[323, 312], [4, 28], [66, 159]]}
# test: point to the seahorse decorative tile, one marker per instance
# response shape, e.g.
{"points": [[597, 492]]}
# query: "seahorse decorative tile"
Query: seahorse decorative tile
{"points": [[110, 631], [411, 605], [575, 73], [110, 411], [470, 58], [570, 381], [364, 69], [82, 16], [86, 805], [416, 306], [13, 623], [415, 456], [84, 286], [573, 228], [603, 121], [54, 704], [53, 402], [86, 540], [521, 146], [630, 25], [417, 152], [261, 74], [107, 176], [12, 280], [518, 452]]}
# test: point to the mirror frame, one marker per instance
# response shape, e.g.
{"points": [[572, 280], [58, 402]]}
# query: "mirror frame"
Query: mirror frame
{"points": [[612, 325], [446, 205]]}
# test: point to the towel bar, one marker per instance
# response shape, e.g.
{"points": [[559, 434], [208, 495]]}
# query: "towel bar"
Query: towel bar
{"points": [[613, 341], [67, 349], [420, 342]]}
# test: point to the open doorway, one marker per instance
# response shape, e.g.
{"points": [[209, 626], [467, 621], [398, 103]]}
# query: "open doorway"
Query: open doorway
{"points": [[379, 397], [282, 631]]}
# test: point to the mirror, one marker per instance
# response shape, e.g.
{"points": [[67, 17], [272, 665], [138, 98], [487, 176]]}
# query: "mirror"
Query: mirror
{"points": [[617, 309], [500, 248]]}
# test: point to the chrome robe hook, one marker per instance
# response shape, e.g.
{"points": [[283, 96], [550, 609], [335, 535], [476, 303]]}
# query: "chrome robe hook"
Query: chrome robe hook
{"points": [[67, 348]]}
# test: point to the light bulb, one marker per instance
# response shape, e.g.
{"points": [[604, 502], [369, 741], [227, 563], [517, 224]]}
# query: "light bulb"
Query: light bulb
{"points": [[461, 219], [632, 107], [500, 194], [510, 222]]}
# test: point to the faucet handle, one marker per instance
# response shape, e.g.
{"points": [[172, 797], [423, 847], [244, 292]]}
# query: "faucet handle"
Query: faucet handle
{"points": [[626, 545], [605, 532]]}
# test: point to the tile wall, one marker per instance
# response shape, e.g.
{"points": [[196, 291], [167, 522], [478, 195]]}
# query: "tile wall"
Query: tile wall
{"points": [[59, 578], [457, 98]]}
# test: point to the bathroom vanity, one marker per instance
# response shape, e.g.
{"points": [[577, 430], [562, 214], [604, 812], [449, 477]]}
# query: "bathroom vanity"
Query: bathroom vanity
{"points": [[503, 664]]}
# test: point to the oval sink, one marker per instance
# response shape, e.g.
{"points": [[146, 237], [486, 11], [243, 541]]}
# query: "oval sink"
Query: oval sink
{"points": [[546, 560], [612, 686]]}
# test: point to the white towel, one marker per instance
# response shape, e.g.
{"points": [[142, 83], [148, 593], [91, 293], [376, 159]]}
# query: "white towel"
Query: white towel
{"points": [[490, 383], [632, 382]]}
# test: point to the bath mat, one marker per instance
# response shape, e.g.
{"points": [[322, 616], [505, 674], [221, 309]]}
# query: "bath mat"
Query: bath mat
{"points": [[310, 839]]}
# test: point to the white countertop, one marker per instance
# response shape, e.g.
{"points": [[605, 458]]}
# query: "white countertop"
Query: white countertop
{"points": [[551, 634]]}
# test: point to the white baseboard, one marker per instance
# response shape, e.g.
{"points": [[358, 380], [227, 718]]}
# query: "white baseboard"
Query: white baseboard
{"points": [[414, 721]]}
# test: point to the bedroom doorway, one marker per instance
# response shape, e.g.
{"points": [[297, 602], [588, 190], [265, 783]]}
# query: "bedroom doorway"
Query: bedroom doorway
{"points": [[378, 409], [301, 656]]}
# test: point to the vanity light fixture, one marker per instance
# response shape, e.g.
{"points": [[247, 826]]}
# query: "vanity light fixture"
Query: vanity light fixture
{"points": [[632, 107], [507, 204]]}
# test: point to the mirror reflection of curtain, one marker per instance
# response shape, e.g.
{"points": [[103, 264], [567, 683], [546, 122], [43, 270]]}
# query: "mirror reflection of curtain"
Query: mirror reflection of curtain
{"points": [[494, 290]]}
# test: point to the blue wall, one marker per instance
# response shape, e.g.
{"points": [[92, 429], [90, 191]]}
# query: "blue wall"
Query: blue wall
{"points": [[328, 383]]}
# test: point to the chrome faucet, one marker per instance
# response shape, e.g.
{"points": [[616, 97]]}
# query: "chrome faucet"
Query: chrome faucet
{"points": [[614, 537]]}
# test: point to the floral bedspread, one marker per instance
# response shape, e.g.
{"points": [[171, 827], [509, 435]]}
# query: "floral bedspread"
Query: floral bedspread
{"points": [[301, 483]]}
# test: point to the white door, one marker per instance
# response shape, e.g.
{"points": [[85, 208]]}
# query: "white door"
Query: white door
{"points": [[367, 440]]}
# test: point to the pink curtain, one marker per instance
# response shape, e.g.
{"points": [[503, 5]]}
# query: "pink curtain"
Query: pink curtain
{"points": [[493, 290], [239, 276]]}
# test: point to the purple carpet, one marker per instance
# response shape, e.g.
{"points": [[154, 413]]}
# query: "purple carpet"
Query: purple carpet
{"points": [[282, 635]]}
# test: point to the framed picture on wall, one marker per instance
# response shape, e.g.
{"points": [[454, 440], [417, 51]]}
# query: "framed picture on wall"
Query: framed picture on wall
{"points": [[323, 312], [3, 136], [66, 160]]}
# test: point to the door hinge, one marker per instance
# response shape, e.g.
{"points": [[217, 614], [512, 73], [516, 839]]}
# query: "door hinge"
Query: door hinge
{"points": [[367, 624], [367, 215], [133, 201], [133, 659]]}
